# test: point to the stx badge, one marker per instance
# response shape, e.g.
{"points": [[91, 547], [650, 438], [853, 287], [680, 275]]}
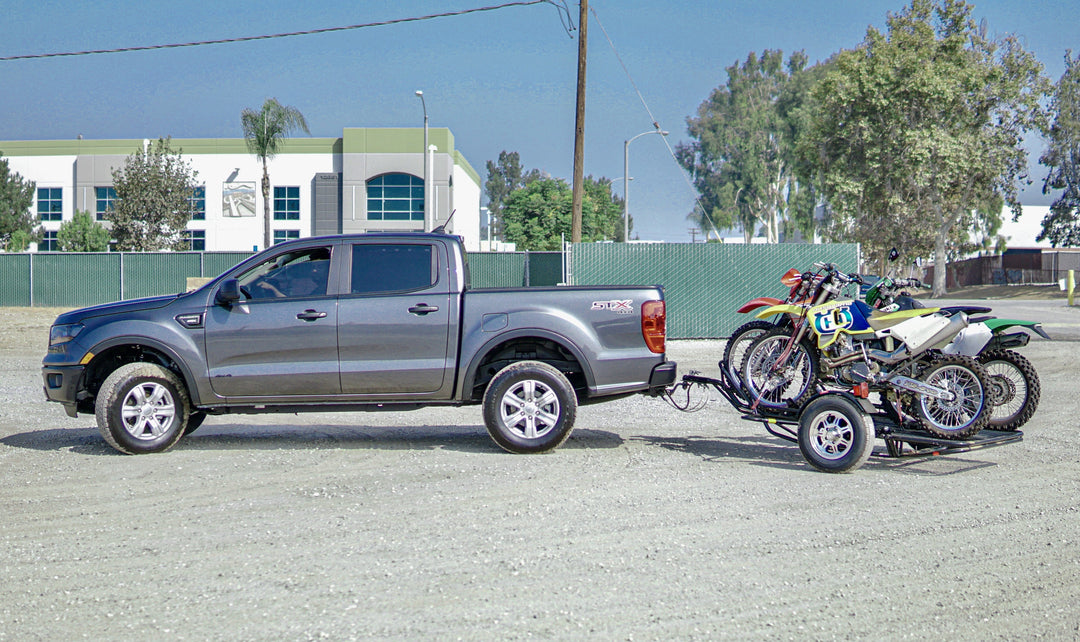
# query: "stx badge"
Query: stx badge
{"points": [[618, 307]]}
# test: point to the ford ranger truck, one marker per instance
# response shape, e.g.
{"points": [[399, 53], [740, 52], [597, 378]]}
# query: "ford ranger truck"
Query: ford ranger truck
{"points": [[356, 322]]}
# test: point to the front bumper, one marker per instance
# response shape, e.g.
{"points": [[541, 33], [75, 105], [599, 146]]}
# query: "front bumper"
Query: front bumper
{"points": [[61, 384]]}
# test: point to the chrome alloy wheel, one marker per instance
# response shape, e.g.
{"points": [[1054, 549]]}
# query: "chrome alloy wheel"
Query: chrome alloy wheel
{"points": [[148, 411], [530, 409], [832, 435]]}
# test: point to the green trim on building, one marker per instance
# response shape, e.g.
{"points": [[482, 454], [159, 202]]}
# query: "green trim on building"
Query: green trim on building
{"points": [[187, 146], [460, 160], [395, 140], [355, 140]]}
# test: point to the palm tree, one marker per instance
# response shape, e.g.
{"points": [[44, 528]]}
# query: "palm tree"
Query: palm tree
{"points": [[265, 132]]}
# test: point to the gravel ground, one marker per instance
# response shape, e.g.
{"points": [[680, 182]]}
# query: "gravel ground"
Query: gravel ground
{"points": [[647, 524]]}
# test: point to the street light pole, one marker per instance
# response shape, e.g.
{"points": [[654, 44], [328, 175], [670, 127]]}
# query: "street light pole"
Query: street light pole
{"points": [[427, 195], [626, 180]]}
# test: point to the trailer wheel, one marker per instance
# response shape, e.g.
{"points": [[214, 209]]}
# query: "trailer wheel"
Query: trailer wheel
{"points": [[835, 435], [142, 408], [529, 407]]}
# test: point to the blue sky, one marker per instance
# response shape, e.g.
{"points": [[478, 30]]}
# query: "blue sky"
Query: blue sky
{"points": [[500, 80]]}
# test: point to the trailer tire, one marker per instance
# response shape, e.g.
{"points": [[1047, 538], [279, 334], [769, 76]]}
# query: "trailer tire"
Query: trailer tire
{"points": [[835, 435], [529, 407]]}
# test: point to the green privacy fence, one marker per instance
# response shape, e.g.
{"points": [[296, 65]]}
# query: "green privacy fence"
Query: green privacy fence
{"points": [[71, 279], [704, 283], [515, 269]]}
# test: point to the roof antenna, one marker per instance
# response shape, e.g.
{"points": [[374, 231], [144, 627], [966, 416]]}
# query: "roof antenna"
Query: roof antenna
{"points": [[442, 228]]}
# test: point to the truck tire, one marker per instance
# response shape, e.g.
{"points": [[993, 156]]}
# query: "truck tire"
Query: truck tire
{"points": [[529, 407], [835, 435], [142, 408]]}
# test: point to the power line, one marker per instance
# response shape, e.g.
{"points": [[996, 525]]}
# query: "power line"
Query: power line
{"points": [[521, 3], [656, 124]]}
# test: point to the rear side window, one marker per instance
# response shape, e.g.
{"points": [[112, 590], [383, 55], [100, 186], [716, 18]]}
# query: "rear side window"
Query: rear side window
{"points": [[392, 268]]}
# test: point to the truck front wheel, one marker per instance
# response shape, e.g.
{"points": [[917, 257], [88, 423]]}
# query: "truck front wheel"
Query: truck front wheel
{"points": [[142, 408], [529, 407]]}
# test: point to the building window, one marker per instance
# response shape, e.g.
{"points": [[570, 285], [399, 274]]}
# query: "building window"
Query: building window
{"points": [[395, 197], [197, 203], [286, 203], [196, 240], [106, 198], [281, 236], [49, 244], [50, 203]]}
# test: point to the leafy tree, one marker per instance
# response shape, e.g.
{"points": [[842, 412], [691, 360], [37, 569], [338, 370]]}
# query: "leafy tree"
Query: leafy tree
{"points": [[151, 208], [504, 177], [21, 240], [82, 234], [1062, 225], [16, 197], [742, 159], [265, 132], [917, 129], [538, 215]]}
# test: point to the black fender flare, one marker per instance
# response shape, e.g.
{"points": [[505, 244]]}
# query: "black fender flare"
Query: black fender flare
{"points": [[157, 346], [469, 374]]}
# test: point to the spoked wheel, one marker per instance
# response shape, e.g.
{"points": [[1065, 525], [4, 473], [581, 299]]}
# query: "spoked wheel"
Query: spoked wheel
{"points": [[778, 373], [739, 342], [968, 408], [835, 435], [1014, 388]]}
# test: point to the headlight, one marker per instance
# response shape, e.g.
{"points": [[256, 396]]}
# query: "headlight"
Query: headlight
{"points": [[63, 333]]}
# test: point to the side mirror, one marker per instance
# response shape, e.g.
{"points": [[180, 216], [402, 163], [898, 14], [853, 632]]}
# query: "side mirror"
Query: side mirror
{"points": [[228, 292]]}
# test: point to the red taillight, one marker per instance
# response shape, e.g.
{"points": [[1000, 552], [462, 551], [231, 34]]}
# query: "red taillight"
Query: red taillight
{"points": [[654, 325]]}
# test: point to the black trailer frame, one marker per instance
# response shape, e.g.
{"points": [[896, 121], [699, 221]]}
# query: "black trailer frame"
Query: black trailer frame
{"points": [[902, 438]]}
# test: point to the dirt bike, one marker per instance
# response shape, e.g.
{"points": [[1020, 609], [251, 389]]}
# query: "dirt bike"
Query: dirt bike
{"points": [[1014, 385], [802, 286], [845, 344]]}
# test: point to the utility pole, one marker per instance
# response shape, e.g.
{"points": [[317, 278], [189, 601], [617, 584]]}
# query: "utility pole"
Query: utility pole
{"points": [[579, 127]]}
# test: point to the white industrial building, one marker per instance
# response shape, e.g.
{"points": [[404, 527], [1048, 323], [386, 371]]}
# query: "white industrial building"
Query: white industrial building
{"points": [[368, 180]]}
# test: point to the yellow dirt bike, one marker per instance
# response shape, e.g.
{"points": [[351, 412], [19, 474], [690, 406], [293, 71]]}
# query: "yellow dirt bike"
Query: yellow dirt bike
{"points": [[844, 344]]}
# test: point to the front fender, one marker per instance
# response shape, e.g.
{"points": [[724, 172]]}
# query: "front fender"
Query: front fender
{"points": [[761, 301], [783, 308]]}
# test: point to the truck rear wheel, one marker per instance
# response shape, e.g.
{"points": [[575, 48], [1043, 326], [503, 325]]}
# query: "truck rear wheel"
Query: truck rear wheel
{"points": [[529, 407], [142, 408]]}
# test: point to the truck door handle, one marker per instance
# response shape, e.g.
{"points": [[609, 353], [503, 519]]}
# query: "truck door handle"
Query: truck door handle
{"points": [[311, 315], [420, 309]]}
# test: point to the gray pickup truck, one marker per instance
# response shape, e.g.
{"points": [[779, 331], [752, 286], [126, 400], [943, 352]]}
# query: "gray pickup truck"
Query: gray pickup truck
{"points": [[356, 322]]}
